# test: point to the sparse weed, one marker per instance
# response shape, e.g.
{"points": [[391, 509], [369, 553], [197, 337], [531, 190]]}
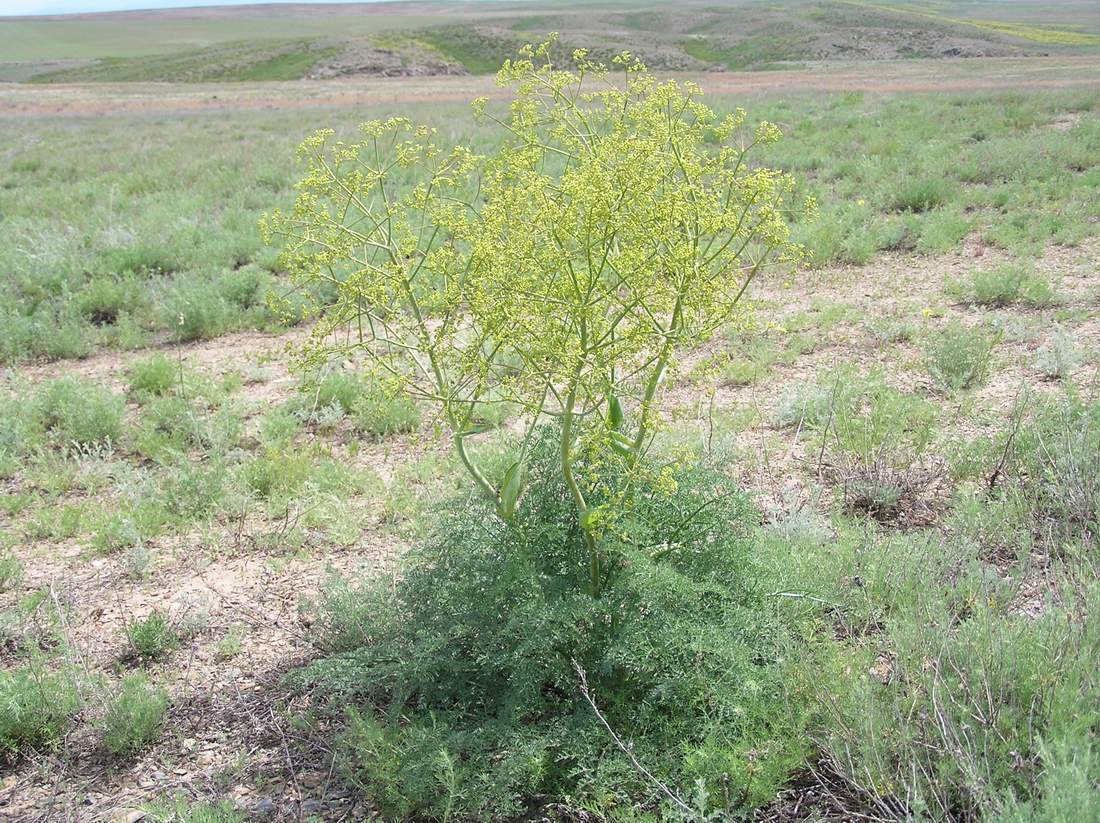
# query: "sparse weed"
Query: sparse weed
{"points": [[32, 627], [230, 645]]}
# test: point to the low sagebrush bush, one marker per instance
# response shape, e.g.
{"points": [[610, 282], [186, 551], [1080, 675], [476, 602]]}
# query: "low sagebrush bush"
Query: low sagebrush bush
{"points": [[134, 717], [958, 357], [805, 404], [1058, 357], [152, 638], [969, 707], [73, 410], [888, 331], [116, 532], [36, 706], [466, 675]]}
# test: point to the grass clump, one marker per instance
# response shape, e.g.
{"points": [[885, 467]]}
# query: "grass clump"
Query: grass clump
{"points": [[380, 413], [921, 195], [181, 810], [153, 638], [958, 356], [135, 716], [277, 472], [1005, 285], [11, 570], [195, 311], [467, 678], [105, 300], [153, 377], [36, 706], [72, 410], [337, 388]]}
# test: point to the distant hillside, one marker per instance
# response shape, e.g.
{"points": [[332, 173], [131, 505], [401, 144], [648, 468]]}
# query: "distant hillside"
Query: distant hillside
{"points": [[288, 42]]}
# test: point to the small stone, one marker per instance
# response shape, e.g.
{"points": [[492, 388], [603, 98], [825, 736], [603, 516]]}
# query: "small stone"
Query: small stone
{"points": [[311, 779], [264, 806]]}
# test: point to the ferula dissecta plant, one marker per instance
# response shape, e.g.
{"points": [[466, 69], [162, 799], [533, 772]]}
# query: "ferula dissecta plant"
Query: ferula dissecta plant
{"points": [[618, 223]]}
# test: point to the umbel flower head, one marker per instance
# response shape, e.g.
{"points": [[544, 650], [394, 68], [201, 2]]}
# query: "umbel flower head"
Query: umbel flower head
{"points": [[617, 222]]}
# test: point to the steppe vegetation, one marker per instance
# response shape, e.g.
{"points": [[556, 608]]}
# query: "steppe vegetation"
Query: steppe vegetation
{"points": [[439, 38], [822, 550]]}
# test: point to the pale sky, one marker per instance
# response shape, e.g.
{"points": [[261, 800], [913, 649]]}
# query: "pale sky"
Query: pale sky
{"points": [[13, 7]]}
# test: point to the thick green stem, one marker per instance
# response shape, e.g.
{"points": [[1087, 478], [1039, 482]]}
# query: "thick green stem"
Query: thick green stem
{"points": [[566, 455], [655, 378], [475, 472]]}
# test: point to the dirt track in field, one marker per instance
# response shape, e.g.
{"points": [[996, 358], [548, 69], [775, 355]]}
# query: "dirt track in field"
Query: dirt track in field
{"points": [[882, 77]]}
